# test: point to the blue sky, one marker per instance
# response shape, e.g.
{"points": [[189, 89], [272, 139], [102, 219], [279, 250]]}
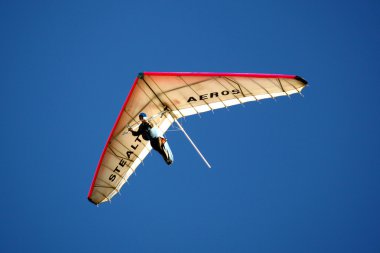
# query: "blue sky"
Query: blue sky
{"points": [[292, 175]]}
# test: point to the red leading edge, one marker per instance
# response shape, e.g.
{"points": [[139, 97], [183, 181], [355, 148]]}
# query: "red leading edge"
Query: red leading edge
{"points": [[109, 138], [179, 74], [218, 74]]}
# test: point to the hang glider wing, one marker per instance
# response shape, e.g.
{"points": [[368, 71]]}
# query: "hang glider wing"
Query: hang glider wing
{"points": [[168, 96]]}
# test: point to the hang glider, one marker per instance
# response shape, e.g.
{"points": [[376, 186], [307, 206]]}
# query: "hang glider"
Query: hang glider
{"points": [[167, 97]]}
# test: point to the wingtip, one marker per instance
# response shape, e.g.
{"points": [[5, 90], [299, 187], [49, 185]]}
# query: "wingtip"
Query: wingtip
{"points": [[301, 79], [89, 199]]}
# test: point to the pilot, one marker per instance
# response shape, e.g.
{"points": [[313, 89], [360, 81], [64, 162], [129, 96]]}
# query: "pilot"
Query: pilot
{"points": [[151, 133]]}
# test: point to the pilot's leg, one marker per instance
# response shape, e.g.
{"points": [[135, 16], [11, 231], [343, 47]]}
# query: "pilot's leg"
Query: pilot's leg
{"points": [[157, 145]]}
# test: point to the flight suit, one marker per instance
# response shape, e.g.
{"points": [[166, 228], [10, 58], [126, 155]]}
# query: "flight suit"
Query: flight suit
{"points": [[150, 133]]}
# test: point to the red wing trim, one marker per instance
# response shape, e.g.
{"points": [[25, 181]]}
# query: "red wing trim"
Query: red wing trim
{"points": [[109, 138], [219, 74]]}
